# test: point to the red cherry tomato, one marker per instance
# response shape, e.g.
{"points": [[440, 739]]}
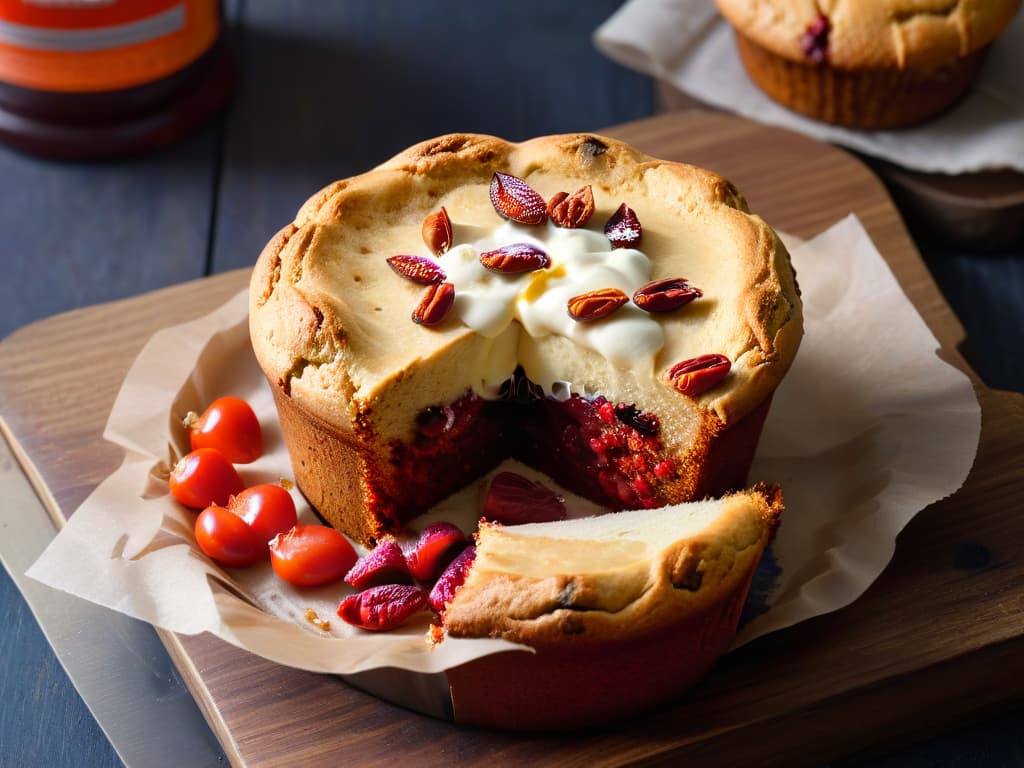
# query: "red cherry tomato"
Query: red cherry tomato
{"points": [[268, 510], [204, 477], [230, 426], [310, 555], [227, 538]]}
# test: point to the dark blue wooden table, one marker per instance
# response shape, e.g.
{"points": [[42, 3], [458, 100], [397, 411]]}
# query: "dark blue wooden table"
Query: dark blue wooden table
{"points": [[328, 90]]}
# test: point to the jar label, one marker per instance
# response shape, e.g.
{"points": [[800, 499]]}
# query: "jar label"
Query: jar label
{"points": [[101, 45]]}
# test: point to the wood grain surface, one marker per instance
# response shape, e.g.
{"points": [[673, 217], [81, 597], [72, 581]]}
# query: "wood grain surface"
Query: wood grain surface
{"points": [[937, 638]]}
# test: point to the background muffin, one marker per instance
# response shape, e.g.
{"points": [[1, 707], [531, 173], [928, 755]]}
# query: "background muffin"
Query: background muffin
{"points": [[869, 64]]}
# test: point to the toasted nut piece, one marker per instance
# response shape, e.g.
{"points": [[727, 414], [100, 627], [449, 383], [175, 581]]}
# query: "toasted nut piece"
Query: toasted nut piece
{"points": [[572, 211], [666, 295], [518, 257], [593, 305], [436, 304], [437, 232], [698, 374]]}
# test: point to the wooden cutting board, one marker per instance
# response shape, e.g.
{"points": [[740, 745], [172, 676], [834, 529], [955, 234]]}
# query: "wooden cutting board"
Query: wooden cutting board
{"points": [[938, 637]]}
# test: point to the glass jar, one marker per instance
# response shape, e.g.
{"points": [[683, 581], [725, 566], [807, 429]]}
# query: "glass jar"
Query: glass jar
{"points": [[86, 79]]}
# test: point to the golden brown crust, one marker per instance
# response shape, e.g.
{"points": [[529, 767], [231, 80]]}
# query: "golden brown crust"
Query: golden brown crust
{"points": [[333, 470], [330, 322], [326, 311], [624, 575]]}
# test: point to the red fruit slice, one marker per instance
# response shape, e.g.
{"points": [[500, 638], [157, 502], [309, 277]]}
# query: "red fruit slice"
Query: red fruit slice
{"points": [[434, 549], [384, 607], [453, 577], [514, 199], [384, 564], [514, 500], [623, 228]]}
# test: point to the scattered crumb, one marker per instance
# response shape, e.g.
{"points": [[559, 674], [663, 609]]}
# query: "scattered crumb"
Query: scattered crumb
{"points": [[435, 634], [316, 621], [287, 484]]}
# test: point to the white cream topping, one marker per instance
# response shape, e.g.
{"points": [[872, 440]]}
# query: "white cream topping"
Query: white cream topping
{"points": [[582, 260]]}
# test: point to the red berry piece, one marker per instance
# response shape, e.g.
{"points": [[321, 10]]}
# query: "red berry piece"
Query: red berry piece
{"points": [[514, 500], [384, 564], [434, 549], [382, 608], [453, 577], [623, 228], [814, 40]]}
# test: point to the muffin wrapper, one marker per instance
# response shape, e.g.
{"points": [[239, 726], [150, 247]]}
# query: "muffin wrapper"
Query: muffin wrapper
{"points": [[870, 99]]}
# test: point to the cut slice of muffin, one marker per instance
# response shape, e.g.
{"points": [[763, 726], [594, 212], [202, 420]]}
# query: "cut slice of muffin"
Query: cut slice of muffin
{"points": [[622, 610]]}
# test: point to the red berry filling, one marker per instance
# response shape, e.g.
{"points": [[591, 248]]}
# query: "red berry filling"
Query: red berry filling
{"points": [[453, 444], [610, 453], [605, 452]]}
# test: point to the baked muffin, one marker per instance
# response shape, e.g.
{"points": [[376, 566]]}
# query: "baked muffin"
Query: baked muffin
{"points": [[617, 322], [868, 64], [621, 611]]}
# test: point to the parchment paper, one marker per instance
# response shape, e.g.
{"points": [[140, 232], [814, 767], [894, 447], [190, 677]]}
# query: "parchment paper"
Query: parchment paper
{"points": [[869, 428], [686, 43]]}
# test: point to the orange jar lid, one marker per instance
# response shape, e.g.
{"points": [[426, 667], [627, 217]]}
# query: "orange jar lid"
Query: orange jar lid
{"points": [[96, 45]]}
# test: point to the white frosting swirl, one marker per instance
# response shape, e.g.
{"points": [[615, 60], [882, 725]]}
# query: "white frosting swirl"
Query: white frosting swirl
{"points": [[581, 260]]}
